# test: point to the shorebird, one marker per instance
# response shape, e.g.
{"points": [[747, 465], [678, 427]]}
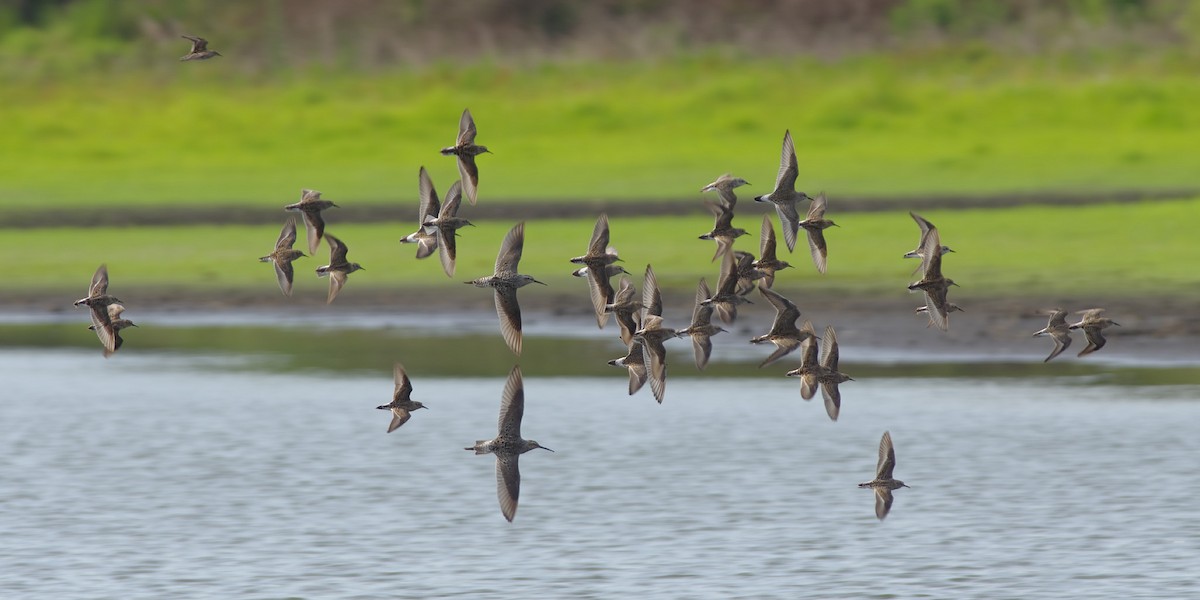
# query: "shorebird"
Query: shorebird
{"points": [[446, 227], [785, 196], [814, 225], [925, 226], [933, 283], [726, 299], [701, 329], [627, 309], [784, 333], [199, 49], [635, 362], [465, 149], [883, 484], [311, 205], [829, 377], [338, 267], [98, 300], [767, 264], [402, 405], [427, 210], [599, 257], [283, 255], [652, 335], [724, 187], [723, 231], [747, 273], [1057, 328], [810, 366], [508, 446], [1091, 324], [116, 324], [505, 281]]}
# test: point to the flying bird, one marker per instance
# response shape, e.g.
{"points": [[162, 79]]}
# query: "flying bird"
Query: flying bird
{"points": [[883, 484], [1057, 329], [1092, 324], [402, 405], [338, 268], [199, 49], [283, 255], [428, 209], [311, 205], [505, 281], [785, 196], [466, 150], [508, 445]]}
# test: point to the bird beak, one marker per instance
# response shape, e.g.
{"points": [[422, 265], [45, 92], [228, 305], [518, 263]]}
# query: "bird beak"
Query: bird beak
{"points": [[536, 281], [544, 448]]}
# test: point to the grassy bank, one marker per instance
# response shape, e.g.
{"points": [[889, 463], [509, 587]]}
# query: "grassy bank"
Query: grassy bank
{"points": [[902, 125], [1104, 251]]}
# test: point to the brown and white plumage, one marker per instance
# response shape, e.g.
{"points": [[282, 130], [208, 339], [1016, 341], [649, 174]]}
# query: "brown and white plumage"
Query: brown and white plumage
{"points": [[1092, 324], [466, 150], [110, 332], [768, 263], [627, 308], [926, 226], [727, 298], [508, 445], [428, 209], [701, 328], [283, 255], [932, 282], [815, 225], [884, 482], [402, 404], [810, 368], [310, 206], [1057, 329], [446, 227], [829, 376], [652, 335], [599, 257], [635, 362], [724, 186], [723, 231], [785, 196], [784, 333], [338, 268], [99, 302], [505, 281], [199, 50]]}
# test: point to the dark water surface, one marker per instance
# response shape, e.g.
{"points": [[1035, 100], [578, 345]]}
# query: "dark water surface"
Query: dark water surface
{"points": [[212, 473]]}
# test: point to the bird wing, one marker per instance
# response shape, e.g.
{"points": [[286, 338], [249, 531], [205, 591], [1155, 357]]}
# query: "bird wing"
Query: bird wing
{"points": [[702, 345], [808, 386], [510, 249], [102, 325], [829, 355], [833, 399], [508, 484], [923, 223], [809, 347], [512, 405], [651, 296], [767, 240], [509, 312], [601, 292], [314, 226], [887, 457], [447, 247], [466, 128], [786, 311], [287, 235], [403, 386], [702, 313], [198, 44], [337, 251], [727, 282], [470, 176], [783, 346], [816, 246], [400, 416], [429, 206], [284, 274], [99, 285], [337, 279], [883, 502], [937, 307], [931, 254], [1095, 340], [426, 246], [785, 180], [789, 222], [816, 210], [1062, 339], [599, 242]]}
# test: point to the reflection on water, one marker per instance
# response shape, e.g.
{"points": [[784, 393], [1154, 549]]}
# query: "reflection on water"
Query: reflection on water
{"points": [[157, 475], [475, 350]]}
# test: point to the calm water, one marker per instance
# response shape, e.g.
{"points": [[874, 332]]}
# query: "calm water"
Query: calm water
{"points": [[154, 477]]}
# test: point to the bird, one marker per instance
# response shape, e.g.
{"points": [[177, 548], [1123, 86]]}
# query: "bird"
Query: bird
{"points": [[402, 405], [338, 267], [829, 377], [98, 300], [785, 196], [810, 367], [116, 324], [768, 264], [747, 273], [724, 187], [283, 255], [652, 303], [627, 309], [635, 362], [508, 446], [427, 210], [701, 329], [925, 226], [1092, 323], [933, 283], [883, 484], [784, 333], [505, 281], [446, 227], [311, 205], [814, 225], [723, 231], [596, 262], [1057, 329], [652, 335], [466, 150], [199, 49], [727, 299]]}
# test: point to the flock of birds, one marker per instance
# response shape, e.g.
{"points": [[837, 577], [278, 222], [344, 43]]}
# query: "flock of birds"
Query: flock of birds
{"points": [[640, 319]]}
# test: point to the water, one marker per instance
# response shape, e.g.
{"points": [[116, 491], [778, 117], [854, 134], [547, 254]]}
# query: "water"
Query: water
{"points": [[168, 475]]}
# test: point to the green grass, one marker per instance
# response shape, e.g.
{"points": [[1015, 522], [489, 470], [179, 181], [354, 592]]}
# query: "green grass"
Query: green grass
{"points": [[884, 126], [1103, 250]]}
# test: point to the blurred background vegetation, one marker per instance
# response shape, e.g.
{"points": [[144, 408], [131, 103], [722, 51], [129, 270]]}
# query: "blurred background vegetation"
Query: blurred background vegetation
{"points": [[589, 104]]}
